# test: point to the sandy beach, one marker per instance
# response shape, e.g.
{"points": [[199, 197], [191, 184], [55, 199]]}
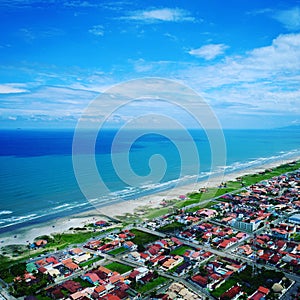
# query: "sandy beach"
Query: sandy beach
{"points": [[28, 234]]}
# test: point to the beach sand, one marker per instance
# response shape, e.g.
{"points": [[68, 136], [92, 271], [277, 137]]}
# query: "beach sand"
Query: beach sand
{"points": [[28, 234]]}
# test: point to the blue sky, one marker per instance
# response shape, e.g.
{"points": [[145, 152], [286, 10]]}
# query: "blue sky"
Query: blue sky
{"points": [[242, 57]]}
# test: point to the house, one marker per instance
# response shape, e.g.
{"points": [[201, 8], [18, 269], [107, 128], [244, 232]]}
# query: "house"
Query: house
{"points": [[134, 256], [111, 297], [176, 241], [40, 243], [53, 272], [225, 244], [145, 256], [82, 258], [76, 251], [93, 278], [71, 286], [79, 296], [195, 255], [106, 271], [241, 235], [148, 277], [233, 293], [55, 293], [162, 243], [99, 291], [172, 262], [52, 260], [275, 259], [245, 249], [153, 250], [280, 244], [115, 278], [260, 294], [183, 269], [101, 223], [130, 245], [200, 280], [138, 273], [133, 275], [121, 294], [68, 263], [206, 213]]}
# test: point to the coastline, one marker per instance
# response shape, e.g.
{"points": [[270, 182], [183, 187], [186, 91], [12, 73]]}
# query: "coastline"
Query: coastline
{"points": [[29, 233]]}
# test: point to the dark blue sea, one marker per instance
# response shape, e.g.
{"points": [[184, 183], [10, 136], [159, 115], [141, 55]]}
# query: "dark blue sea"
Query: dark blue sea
{"points": [[38, 182]]}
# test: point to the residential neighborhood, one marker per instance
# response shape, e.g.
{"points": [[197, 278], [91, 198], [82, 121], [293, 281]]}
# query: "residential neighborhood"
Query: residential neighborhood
{"points": [[246, 245]]}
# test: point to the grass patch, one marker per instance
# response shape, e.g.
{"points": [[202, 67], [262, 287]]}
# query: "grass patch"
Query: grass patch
{"points": [[155, 213], [211, 193], [143, 238], [66, 239], [180, 250], [172, 227], [152, 284], [254, 178], [129, 219], [91, 261], [117, 267], [84, 283], [117, 251], [203, 205], [224, 287]]}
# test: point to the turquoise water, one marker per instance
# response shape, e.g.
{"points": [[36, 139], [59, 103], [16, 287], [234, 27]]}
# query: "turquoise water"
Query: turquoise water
{"points": [[38, 183]]}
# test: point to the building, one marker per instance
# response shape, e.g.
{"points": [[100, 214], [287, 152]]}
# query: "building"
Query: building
{"points": [[246, 226], [295, 219]]}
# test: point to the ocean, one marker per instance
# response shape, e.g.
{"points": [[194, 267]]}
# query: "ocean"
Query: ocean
{"points": [[38, 182]]}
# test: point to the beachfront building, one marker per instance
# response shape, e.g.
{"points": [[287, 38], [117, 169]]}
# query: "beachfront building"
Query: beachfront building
{"points": [[295, 219], [248, 226]]}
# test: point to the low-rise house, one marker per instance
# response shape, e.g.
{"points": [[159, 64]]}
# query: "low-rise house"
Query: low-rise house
{"points": [[233, 293], [245, 250], [148, 277], [40, 243], [93, 278], [200, 280], [135, 256], [76, 251], [172, 262], [260, 294], [79, 296], [69, 264], [82, 258], [54, 273], [138, 273], [105, 271], [206, 213], [99, 291], [183, 269], [130, 245], [71, 286]]}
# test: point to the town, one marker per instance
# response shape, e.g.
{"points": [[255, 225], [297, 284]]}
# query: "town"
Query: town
{"points": [[242, 245]]}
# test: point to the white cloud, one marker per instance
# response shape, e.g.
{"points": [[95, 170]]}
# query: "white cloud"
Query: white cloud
{"points": [[11, 89], [47, 103], [161, 15], [289, 18], [264, 81], [209, 52], [97, 30]]}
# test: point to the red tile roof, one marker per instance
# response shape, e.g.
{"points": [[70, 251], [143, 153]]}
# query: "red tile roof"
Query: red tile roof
{"points": [[231, 293], [263, 290], [200, 280]]}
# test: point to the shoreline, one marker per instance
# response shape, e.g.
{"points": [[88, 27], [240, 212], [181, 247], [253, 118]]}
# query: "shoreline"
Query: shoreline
{"points": [[29, 233]]}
